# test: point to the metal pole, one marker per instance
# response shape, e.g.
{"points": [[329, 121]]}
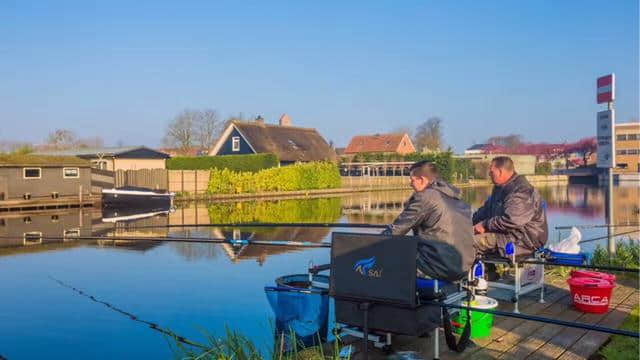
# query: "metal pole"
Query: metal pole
{"points": [[610, 221], [611, 240]]}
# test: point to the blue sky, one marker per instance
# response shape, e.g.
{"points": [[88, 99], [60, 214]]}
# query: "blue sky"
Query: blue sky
{"points": [[123, 69]]}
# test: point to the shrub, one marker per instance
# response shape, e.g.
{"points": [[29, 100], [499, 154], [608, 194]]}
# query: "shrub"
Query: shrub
{"points": [[282, 211], [252, 162], [543, 168], [317, 175], [627, 255]]}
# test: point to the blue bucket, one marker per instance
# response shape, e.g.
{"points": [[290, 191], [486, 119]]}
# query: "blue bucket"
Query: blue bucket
{"points": [[301, 309]]}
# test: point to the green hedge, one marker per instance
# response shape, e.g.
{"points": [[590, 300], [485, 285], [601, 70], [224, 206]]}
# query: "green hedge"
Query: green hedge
{"points": [[317, 175], [282, 211], [252, 162]]}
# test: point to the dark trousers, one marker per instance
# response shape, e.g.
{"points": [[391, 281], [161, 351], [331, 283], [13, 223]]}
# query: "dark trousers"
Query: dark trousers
{"points": [[494, 244]]}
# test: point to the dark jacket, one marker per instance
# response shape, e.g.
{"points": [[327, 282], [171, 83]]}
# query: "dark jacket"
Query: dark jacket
{"points": [[515, 209], [443, 222]]}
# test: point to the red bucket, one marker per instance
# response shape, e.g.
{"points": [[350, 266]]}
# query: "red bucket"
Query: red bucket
{"points": [[593, 274], [590, 294]]}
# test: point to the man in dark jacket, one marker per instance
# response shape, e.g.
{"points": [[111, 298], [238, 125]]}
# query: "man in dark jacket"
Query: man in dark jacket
{"points": [[513, 213], [436, 214]]}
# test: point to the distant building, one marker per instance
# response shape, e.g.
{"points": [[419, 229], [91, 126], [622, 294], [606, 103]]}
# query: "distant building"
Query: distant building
{"points": [[120, 158], [524, 164], [478, 149], [627, 146], [397, 143], [291, 144], [31, 177]]}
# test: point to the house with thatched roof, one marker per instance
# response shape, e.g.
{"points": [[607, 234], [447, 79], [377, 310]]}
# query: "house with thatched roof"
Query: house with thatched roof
{"points": [[291, 144], [37, 176]]}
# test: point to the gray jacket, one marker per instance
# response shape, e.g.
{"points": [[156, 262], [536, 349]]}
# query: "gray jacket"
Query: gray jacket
{"points": [[443, 222], [515, 209]]}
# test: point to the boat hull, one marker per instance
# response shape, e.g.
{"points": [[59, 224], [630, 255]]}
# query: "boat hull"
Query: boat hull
{"points": [[148, 200]]}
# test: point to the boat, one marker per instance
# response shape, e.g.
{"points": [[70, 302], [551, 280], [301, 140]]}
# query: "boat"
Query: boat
{"points": [[123, 215], [130, 197]]}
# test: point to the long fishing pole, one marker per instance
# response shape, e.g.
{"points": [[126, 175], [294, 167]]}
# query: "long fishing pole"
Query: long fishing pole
{"points": [[186, 240], [568, 227], [608, 236], [539, 319], [262, 224], [598, 267], [131, 316]]}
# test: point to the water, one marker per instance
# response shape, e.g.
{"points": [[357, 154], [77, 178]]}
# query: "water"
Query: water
{"points": [[191, 289]]}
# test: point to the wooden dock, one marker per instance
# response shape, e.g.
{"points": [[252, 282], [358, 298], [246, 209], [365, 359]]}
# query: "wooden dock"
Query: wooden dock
{"points": [[36, 205], [513, 338]]}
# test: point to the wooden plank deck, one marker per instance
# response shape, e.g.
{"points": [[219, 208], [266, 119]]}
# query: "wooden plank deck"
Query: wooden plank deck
{"points": [[521, 339]]}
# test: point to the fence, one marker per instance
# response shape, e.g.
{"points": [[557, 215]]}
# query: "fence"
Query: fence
{"points": [[155, 179], [374, 181], [191, 181]]}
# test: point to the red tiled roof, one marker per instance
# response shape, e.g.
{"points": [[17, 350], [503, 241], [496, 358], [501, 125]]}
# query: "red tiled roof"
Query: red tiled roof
{"points": [[374, 143]]}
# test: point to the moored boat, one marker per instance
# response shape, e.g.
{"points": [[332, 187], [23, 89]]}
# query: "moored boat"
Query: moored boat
{"points": [[136, 198]]}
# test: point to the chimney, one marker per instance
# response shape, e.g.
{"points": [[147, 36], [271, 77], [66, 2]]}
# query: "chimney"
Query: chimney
{"points": [[260, 120], [285, 120]]}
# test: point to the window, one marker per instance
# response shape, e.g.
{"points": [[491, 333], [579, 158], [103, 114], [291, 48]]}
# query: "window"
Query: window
{"points": [[70, 173], [31, 173], [621, 152], [621, 165], [621, 137], [32, 238], [633, 151], [71, 233], [633, 137], [235, 143]]}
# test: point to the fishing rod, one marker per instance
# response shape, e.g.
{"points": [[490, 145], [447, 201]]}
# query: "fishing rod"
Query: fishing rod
{"points": [[261, 224], [598, 267], [568, 227], [539, 319], [205, 240], [131, 316], [609, 236]]}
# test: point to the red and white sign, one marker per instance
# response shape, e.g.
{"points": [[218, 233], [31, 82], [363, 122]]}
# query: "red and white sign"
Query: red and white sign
{"points": [[606, 88]]}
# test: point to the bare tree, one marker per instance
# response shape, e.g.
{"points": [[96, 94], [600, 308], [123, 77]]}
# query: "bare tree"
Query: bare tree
{"points": [[180, 131], [429, 135], [61, 139], [207, 128]]}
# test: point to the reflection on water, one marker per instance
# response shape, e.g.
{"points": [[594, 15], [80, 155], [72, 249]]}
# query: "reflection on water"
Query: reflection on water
{"points": [[567, 205], [190, 286]]}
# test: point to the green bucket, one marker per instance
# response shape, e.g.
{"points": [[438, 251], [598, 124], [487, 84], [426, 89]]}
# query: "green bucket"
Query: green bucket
{"points": [[480, 322]]}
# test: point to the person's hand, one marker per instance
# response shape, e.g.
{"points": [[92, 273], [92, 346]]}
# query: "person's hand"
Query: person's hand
{"points": [[478, 228]]}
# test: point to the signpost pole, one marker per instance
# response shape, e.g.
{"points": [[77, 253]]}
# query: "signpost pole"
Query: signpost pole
{"points": [[605, 93], [611, 241]]}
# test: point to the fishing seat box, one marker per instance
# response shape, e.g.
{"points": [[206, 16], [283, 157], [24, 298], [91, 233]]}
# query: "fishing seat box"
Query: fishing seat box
{"points": [[380, 270]]}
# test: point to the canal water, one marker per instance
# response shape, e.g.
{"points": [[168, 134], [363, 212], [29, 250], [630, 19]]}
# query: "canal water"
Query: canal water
{"points": [[193, 289]]}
